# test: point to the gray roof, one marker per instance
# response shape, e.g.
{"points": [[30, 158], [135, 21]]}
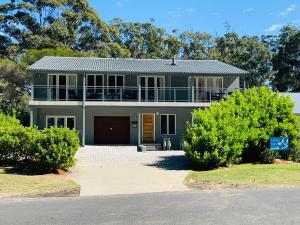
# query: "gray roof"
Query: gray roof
{"points": [[131, 66]]}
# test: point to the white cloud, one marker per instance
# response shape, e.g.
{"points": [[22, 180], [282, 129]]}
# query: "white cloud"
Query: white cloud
{"points": [[247, 10], [175, 13], [121, 2], [191, 10], [274, 27], [288, 10]]}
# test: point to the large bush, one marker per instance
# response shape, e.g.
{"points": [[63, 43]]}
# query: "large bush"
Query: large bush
{"points": [[17, 143], [50, 149], [239, 128], [57, 148]]}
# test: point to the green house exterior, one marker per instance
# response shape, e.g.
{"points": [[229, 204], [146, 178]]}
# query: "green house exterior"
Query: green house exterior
{"points": [[127, 101]]}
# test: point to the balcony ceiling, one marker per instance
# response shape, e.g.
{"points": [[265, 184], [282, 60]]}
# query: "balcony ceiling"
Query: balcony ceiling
{"points": [[135, 66]]}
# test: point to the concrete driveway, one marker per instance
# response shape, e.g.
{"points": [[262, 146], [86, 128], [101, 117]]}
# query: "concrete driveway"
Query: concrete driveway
{"points": [[113, 170]]}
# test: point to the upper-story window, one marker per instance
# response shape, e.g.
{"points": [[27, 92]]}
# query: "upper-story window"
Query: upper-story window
{"points": [[94, 83], [62, 86], [114, 83]]}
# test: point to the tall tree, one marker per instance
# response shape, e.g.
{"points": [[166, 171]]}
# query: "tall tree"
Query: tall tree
{"points": [[248, 53], [196, 45], [38, 24], [14, 88], [143, 40], [286, 61]]}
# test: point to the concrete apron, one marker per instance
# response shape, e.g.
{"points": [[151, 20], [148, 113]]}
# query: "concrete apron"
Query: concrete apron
{"points": [[127, 178]]}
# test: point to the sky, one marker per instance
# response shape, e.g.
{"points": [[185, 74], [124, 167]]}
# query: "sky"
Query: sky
{"points": [[250, 17]]}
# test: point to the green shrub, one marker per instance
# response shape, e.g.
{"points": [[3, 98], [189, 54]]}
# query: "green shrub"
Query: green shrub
{"points": [[57, 148], [240, 127], [6, 121], [17, 143]]}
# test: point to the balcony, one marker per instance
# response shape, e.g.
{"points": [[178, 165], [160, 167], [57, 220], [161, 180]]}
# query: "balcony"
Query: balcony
{"points": [[129, 94]]}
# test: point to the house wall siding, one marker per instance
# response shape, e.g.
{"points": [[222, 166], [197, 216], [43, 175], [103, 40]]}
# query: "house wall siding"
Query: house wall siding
{"points": [[183, 115]]}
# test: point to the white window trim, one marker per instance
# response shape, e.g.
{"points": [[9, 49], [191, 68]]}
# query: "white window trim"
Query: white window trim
{"points": [[155, 84], [65, 119], [205, 81], [95, 87], [95, 75], [168, 124], [115, 75], [57, 83]]}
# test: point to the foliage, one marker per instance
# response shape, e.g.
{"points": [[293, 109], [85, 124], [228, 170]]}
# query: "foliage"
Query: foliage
{"points": [[248, 53], [286, 61], [14, 88], [17, 143], [48, 150], [51, 24], [57, 148], [34, 55], [240, 127]]}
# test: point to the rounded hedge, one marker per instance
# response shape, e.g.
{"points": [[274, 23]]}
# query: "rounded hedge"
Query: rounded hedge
{"points": [[47, 150], [57, 148], [239, 129]]}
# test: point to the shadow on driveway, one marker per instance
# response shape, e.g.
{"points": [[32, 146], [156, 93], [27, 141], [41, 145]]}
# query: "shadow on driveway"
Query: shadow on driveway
{"points": [[176, 162]]}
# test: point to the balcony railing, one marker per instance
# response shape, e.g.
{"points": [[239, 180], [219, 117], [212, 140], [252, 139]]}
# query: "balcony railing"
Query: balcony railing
{"points": [[129, 94]]}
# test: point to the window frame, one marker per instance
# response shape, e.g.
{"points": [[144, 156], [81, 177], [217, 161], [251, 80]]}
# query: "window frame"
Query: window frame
{"points": [[58, 86], [65, 120], [116, 81], [168, 125]]}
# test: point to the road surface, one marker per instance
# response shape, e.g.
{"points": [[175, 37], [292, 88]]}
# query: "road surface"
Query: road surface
{"points": [[263, 206]]}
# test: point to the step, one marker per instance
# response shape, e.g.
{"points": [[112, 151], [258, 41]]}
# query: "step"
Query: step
{"points": [[152, 147]]}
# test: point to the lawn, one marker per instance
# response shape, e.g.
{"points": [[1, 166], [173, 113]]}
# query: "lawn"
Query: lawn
{"points": [[18, 185], [246, 175]]}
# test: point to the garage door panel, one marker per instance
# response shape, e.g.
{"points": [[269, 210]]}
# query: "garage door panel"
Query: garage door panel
{"points": [[111, 130]]}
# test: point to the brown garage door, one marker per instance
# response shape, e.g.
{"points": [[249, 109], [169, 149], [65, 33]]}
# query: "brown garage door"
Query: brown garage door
{"points": [[111, 130]]}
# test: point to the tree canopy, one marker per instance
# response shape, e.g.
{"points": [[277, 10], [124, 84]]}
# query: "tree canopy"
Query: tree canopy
{"points": [[31, 29]]}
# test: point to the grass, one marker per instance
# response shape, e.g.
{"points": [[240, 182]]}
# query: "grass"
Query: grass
{"points": [[247, 175], [19, 185]]}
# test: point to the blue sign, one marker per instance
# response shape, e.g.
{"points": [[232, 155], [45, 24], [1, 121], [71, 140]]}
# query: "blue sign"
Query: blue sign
{"points": [[279, 144]]}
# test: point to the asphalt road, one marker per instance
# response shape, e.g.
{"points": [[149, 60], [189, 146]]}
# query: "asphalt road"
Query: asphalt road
{"points": [[242, 207]]}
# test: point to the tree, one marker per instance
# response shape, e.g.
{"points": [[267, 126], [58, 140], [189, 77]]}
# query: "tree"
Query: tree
{"points": [[239, 128], [196, 45], [143, 40], [52, 24], [33, 55], [14, 89], [286, 61], [248, 53], [172, 47]]}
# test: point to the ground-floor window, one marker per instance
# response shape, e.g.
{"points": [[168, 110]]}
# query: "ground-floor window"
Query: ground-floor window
{"points": [[61, 121], [168, 124]]}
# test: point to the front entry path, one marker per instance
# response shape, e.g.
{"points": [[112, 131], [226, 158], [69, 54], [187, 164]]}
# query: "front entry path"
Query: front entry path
{"points": [[113, 170]]}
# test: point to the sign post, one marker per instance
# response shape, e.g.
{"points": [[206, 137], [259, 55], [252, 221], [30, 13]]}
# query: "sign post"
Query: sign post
{"points": [[279, 144]]}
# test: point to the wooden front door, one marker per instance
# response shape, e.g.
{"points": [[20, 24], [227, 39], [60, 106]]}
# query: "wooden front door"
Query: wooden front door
{"points": [[111, 130], [148, 127]]}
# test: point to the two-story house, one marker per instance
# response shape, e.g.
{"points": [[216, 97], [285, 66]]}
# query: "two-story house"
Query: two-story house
{"points": [[127, 101]]}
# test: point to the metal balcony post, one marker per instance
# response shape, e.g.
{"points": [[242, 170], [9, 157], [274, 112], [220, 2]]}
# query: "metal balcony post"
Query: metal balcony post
{"points": [[32, 92], [193, 94], [83, 110], [121, 96], [140, 93], [174, 90]]}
